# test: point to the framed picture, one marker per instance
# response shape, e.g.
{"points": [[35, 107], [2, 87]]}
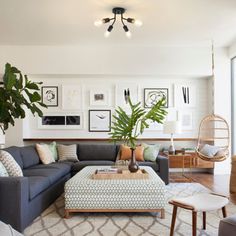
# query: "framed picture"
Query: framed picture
{"points": [[131, 89], [185, 95], [61, 121], [99, 97], [71, 97], [153, 95], [186, 119], [99, 120], [50, 95]]}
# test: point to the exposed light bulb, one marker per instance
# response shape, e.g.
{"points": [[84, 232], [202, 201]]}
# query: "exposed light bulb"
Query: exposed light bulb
{"points": [[128, 34], [107, 34], [98, 23], [138, 22]]}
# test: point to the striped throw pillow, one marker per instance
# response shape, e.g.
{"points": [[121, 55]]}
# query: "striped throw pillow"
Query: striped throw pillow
{"points": [[13, 169], [67, 152]]}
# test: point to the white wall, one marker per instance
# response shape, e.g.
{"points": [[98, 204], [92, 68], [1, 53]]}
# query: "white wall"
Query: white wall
{"points": [[122, 61]]}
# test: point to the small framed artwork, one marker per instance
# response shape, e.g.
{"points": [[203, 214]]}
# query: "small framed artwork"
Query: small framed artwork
{"points": [[99, 97], [61, 121], [186, 119], [153, 95], [185, 95], [71, 97], [50, 95], [99, 120]]}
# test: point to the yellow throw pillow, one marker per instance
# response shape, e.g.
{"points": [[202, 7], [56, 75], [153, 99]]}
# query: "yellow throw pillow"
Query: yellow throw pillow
{"points": [[45, 154], [125, 153]]}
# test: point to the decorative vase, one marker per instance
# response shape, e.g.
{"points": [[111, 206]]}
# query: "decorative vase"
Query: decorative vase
{"points": [[133, 165]]}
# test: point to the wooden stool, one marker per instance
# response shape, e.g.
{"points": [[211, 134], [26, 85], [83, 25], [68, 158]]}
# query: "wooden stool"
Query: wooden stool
{"points": [[202, 202]]}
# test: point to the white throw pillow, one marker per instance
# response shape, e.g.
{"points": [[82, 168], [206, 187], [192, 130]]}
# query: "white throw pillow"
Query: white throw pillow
{"points": [[3, 171], [67, 152], [45, 154], [13, 169], [209, 150]]}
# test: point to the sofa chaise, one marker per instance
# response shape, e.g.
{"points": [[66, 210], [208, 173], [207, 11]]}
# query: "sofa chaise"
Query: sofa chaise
{"points": [[22, 199]]}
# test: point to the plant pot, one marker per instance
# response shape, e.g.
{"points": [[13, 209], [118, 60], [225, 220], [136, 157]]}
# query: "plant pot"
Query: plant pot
{"points": [[133, 165]]}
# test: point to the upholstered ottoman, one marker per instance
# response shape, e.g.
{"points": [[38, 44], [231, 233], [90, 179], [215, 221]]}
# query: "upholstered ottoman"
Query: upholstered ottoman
{"points": [[84, 194]]}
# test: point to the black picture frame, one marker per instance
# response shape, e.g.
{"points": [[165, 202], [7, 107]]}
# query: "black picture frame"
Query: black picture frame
{"points": [[155, 93], [99, 120], [49, 95]]}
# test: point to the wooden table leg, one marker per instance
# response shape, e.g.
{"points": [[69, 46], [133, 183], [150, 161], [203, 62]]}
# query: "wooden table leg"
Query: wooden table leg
{"points": [[194, 223], [173, 220], [204, 219], [224, 212]]}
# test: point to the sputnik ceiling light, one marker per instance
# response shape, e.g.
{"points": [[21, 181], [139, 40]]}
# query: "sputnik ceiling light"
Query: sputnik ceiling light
{"points": [[118, 11]]}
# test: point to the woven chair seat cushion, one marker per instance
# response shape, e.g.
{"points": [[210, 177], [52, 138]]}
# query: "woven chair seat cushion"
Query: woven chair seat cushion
{"points": [[203, 201]]}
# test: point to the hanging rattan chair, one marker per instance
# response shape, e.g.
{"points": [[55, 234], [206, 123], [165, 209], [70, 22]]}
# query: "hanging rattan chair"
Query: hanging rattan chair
{"points": [[214, 130]]}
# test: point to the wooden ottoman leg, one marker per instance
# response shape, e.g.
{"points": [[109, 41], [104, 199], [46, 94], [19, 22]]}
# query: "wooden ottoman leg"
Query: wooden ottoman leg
{"points": [[67, 214], [162, 213], [204, 220], [224, 212], [173, 220], [194, 222]]}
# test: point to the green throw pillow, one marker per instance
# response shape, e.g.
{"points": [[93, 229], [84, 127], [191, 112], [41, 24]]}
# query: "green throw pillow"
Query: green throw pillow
{"points": [[151, 151], [3, 171], [53, 148]]}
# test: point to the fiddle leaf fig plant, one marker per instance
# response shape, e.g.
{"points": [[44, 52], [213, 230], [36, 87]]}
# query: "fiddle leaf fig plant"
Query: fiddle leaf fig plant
{"points": [[17, 92], [127, 127]]}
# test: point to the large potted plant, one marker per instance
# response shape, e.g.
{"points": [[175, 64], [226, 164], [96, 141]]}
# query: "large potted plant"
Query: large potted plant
{"points": [[126, 128], [17, 93]]}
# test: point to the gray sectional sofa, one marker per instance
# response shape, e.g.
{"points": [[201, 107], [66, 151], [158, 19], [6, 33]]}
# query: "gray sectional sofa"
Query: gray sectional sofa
{"points": [[22, 199]]}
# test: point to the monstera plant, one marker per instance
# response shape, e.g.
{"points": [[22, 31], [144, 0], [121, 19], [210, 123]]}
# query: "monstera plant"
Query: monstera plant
{"points": [[127, 127], [17, 92]]}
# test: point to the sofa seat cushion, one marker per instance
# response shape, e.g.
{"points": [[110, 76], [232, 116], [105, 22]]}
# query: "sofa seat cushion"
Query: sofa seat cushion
{"points": [[65, 166], [52, 173], [154, 165], [87, 152], [37, 184], [81, 164]]}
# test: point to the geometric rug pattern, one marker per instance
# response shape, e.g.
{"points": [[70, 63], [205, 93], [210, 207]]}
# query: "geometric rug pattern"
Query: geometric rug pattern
{"points": [[52, 223]]}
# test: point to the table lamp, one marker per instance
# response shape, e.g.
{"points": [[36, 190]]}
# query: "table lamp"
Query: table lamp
{"points": [[2, 139], [172, 127]]}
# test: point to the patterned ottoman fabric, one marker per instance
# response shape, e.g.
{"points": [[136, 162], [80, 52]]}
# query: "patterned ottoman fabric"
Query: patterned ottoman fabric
{"points": [[83, 192]]}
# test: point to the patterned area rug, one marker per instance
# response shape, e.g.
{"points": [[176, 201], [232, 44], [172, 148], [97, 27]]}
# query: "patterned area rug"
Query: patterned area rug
{"points": [[52, 223]]}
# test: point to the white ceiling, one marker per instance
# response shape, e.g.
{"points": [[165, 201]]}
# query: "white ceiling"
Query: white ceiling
{"points": [[70, 22]]}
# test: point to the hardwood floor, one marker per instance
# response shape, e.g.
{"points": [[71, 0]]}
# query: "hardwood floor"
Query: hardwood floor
{"points": [[216, 183]]}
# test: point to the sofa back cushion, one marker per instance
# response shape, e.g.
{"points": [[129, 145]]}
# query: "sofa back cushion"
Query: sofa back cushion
{"points": [[29, 156], [15, 152], [96, 152]]}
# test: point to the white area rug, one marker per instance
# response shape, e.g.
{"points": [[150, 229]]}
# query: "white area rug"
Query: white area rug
{"points": [[51, 221]]}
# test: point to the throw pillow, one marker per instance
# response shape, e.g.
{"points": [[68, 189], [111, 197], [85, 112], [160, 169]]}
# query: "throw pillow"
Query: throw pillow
{"points": [[13, 169], [125, 153], [151, 151], [53, 147], [45, 154], [67, 152], [209, 150], [3, 171]]}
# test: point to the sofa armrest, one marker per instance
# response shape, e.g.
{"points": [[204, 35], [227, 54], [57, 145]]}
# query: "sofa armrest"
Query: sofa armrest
{"points": [[14, 199], [163, 165]]}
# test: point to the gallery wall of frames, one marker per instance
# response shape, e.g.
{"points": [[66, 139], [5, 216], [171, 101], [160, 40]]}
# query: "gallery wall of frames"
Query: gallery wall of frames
{"points": [[82, 107]]}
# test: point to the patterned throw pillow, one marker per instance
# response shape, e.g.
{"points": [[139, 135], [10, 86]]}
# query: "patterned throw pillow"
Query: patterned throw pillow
{"points": [[45, 154], [67, 152], [151, 151], [125, 153], [209, 150], [13, 169], [3, 171]]}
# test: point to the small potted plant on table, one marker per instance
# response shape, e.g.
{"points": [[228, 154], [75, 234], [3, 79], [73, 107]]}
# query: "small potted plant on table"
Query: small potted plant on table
{"points": [[127, 127]]}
